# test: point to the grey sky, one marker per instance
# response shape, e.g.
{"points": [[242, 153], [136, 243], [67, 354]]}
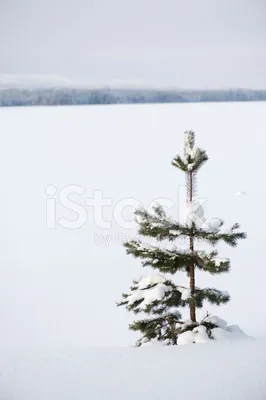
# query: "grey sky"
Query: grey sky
{"points": [[194, 43]]}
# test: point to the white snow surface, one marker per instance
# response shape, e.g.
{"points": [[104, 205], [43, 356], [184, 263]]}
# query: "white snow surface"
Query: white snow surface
{"points": [[150, 280], [59, 286], [185, 292], [218, 261], [185, 338], [213, 225], [218, 370], [171, 247], [200, 334], [222, 332], [213, 319], [148, 295]]}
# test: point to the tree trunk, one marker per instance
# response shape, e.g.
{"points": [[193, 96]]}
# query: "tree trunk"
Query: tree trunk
{"points": [[192, 306]]}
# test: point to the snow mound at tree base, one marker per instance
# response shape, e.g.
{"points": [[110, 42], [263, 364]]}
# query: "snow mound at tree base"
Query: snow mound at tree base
{"points": [[211, 328], [202, 334]]}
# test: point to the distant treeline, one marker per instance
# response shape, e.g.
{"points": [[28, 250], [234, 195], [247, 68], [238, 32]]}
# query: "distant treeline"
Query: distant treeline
{"points": [[71, 96]]}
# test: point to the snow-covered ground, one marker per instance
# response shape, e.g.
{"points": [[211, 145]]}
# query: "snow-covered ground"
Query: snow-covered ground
{"points": [[58, 287], [216, 371]]}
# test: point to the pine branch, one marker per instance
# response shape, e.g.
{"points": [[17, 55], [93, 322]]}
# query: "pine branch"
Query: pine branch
{"points": [[163, 260], [211, 262], [230, 237], [157, 225], [155, 294], [136, 299], [159, 328], [213, 296]]}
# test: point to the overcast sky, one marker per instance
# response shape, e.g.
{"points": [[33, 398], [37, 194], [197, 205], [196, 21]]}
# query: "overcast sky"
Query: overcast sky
{"points": [[192, 43]]}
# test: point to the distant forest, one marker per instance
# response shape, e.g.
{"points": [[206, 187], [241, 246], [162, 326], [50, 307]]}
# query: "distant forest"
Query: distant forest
{"points": [[71, 96]]}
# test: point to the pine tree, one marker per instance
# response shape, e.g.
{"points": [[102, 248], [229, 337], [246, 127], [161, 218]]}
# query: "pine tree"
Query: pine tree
{"points": [[158, 296]]}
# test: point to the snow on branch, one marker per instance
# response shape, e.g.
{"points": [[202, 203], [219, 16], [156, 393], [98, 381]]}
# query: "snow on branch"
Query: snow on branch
{"points": [[230, 236], [194, 157], [148, 296], [156, 294], [211, 263], [213, 296], [166, 260], [156, 224]]}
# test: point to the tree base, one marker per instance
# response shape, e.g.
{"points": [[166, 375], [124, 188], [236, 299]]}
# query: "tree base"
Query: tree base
{"points": [[211, 328]]}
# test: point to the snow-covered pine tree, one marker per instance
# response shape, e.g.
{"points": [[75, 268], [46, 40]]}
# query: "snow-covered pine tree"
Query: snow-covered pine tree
{"points": [[158, 296]]}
